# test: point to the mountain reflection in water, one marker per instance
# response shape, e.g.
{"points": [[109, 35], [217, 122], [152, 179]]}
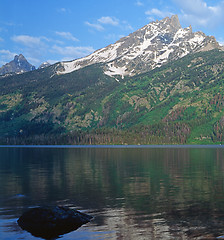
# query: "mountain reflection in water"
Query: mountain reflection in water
{"points": [[133, 193]]}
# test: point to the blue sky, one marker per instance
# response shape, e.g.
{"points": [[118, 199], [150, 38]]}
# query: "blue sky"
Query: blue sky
{"points": [[59, 30]]}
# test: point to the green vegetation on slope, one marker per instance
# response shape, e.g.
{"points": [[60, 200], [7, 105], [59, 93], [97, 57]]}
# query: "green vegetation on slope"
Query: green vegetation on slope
{"points": [[181, 102]]}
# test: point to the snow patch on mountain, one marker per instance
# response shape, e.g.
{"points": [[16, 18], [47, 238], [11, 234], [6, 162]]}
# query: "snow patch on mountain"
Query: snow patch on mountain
{"points": [[149, 47], [164, 56], [113, 71], [100, 56], [197, 39]]}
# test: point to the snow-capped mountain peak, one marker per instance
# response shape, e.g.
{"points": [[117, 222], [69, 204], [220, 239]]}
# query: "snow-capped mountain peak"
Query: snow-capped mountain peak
{"points": [[147, 48]]}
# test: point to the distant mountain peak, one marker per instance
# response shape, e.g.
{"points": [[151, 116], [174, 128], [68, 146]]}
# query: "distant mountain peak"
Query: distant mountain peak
{"points": [[18, 65], [145, 49], [44, 65]]}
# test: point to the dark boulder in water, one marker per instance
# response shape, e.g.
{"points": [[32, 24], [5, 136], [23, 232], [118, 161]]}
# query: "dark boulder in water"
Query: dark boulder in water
{"points": [[51, 222]]}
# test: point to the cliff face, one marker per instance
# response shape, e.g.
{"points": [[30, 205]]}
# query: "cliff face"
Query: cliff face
{"points": [[18, 65]]}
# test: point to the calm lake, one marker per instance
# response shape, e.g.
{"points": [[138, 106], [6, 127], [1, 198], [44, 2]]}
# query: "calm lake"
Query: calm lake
{"points": [[133, 193]]}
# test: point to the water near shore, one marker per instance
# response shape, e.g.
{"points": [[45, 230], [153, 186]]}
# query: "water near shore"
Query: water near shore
{"points": [[132, 192]]}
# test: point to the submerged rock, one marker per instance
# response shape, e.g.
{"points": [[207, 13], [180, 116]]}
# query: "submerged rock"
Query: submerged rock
{"points": [[51, 222]]}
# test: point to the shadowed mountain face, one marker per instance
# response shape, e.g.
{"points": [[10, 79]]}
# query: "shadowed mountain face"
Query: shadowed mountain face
{"points": [[18, 65]]}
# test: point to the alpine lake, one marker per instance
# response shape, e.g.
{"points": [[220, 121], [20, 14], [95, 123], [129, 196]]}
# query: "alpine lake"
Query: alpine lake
{"points": [[133, 192]]}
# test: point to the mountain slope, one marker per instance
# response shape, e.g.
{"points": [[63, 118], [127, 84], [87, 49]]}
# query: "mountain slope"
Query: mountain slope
{"points": [[180, 102], [18, 65], [161, 84], [149, 47]]}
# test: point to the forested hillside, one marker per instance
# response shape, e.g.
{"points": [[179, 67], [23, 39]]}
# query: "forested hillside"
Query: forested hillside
{"points": [[181, 102]]}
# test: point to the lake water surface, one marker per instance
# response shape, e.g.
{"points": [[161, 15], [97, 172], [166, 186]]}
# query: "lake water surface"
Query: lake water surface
{"points": [[133, 193]]}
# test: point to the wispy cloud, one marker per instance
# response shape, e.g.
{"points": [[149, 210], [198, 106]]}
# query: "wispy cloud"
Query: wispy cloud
{"points": [[105, 20], [6, 56], [139, 3], [195, 12], [63, 10], [109, 20], [101, 23], [111, 36], [33, 60], [126, 26], [158, 13], [72, 52], [198, 7], [29, 41], [200, 13], [1, 39], [95, 26], [67, 35], [32, 47], [11, 24]]}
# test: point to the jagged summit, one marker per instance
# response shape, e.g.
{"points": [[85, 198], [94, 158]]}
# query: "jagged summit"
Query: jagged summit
{"points": [[175, 22], [19, 58], [147, 48], [172, 23], [18, 65]]}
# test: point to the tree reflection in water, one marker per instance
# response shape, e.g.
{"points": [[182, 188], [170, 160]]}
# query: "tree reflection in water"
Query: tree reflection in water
{"points": [[137, 193]]}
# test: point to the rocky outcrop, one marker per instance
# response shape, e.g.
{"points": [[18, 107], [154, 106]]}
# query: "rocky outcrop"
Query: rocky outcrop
{"points": [[44, 65], [51, 222], [18, 65]]}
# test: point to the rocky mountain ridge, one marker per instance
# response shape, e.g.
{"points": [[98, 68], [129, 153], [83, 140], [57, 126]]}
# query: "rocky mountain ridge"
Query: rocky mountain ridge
{"points": [[152, 46], [18, 65], [149, 47]]}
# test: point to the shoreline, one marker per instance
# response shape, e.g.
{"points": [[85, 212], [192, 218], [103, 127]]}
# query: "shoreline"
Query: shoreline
{"points": [[112, 146]]}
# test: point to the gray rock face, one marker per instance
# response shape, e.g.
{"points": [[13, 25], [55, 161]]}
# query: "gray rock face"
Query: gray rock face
{"points": [[44, 65], [18, 65], [51, 222], [145, 49]]}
